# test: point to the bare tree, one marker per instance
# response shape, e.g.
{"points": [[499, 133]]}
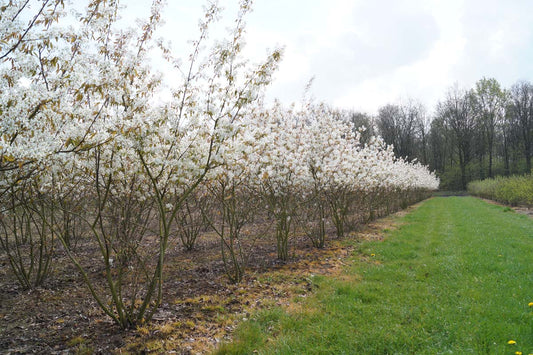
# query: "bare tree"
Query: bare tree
{"points": [[400, 125], [456, 111], [388, 124], [489, 108], [362, 121], [423, 125], [521, 114]]}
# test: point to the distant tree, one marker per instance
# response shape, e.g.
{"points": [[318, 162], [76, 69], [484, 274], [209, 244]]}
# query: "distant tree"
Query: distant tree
{"points": [[388, 125], [521, 115], [488, 100], [438, 145], [423, 126], [362, 121], [511, 149], [403, 126], [456, 111]]}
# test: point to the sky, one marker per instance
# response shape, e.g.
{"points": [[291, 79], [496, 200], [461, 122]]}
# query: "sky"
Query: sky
{"points": [[363, 54]]}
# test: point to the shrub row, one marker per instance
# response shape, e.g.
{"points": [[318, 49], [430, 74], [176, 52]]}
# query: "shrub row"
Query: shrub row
{"points": [[513, 190]]}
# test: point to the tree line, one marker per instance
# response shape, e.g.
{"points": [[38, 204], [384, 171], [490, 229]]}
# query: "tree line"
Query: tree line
{"points": [[472, 134]]}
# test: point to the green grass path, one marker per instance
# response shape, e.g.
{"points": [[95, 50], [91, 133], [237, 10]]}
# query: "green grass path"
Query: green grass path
{"points": [[456, 277]]}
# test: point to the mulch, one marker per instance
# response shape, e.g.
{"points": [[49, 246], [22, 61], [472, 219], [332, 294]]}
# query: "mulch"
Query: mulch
{"points": [[201, 308]]}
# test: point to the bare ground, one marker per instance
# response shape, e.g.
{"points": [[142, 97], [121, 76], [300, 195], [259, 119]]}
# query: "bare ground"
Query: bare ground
{"points": [[201, 308], [527, 210]]}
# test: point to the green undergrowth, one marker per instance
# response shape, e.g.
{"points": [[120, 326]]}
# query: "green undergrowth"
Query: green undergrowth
{"points": [[513, 190], [456, 277]]}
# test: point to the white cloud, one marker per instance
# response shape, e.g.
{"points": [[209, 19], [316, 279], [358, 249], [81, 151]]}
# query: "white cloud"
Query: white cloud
{"points": [[425, 78], [365, 54]]}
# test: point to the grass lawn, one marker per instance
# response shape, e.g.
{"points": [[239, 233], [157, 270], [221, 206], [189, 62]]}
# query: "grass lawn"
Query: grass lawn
{"points": [[455, 277]]}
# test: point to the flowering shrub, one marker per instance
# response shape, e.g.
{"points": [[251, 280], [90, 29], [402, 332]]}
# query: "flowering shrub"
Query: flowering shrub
{"points": [[308, 166], [88, 153]]}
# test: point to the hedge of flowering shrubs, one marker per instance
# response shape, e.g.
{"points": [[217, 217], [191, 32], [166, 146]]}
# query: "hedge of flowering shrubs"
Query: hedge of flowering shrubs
{"points": [[512, 190], [87, 154]]}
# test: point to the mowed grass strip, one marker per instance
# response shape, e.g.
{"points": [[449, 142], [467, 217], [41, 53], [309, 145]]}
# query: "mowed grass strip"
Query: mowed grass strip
{"points": [[456, 277]]}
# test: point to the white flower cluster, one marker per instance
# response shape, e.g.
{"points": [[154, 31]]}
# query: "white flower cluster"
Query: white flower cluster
{"points": [[293, 151], [78, 103], [82, 131], [72, 103]]}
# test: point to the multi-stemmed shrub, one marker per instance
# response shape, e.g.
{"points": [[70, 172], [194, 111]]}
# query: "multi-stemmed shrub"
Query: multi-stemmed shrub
{"points": [[91, 159]]}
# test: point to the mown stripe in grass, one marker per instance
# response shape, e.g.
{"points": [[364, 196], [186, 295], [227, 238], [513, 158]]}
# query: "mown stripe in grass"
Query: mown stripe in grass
{"points": [[456, 277]]}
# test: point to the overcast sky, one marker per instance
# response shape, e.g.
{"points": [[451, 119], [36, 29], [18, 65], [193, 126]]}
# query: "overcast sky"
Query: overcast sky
{"points": [[367, 53]]}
